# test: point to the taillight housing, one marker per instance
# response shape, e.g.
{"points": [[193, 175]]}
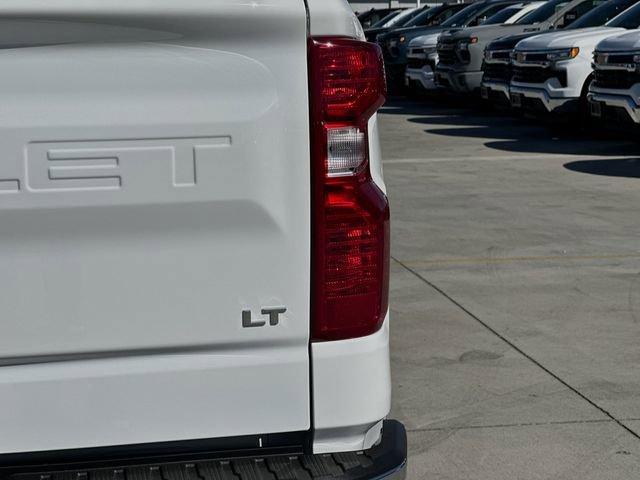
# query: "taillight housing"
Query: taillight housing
{"points": [[350, 214]]}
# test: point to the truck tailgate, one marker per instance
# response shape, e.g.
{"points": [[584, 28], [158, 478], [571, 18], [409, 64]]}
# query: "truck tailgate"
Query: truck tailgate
{"points": [[154, 208]]}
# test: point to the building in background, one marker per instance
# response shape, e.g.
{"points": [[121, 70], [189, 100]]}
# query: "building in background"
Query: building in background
{"points": [[364, 5]]}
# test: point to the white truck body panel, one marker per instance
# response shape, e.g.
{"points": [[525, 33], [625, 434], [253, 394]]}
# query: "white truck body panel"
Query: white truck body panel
{"points": [[352, 391], [333, 17], [154, 183]]}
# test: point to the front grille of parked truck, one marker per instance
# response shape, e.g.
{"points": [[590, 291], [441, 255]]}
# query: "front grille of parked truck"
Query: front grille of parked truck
{"points": [[616, 70], [616, 79], [417, 58], [497, 66], [532, 74], [536, 68], [447, 52], [501, 72], [498, 56], [416, 62]]}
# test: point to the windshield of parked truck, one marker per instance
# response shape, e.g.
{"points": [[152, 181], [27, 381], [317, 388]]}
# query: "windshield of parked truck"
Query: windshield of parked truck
{"points": [[424, 18], [629, 19], [404, 17], [503, 15], [602, 14], [387, 20], [543, 13], [464, 15]]}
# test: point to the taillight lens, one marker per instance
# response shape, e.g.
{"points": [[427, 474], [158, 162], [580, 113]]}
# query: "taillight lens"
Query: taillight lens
{"points": [[350, 230]]}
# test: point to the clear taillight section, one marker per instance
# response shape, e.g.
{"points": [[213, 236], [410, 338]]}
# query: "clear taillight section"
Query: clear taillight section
{"points": [[346, 151], [350, 231]]}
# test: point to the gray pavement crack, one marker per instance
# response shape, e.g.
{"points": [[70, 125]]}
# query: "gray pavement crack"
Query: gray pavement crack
{"points": [[517, 349], [521, 424]]}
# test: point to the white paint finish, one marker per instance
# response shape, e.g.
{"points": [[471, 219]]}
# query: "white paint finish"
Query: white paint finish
{"points": [[629, 41], [131, 249], [347, 439], [144, 399], [333, 17], [351, 391]]}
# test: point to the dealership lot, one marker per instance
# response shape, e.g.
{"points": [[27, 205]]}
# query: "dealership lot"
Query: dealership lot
{"points": [[515, 296]]}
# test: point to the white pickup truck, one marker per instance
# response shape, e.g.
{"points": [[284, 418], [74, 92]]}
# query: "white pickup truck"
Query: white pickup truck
{"points": [[553, 71], [614, 95], [423, 54], [194, 243]]}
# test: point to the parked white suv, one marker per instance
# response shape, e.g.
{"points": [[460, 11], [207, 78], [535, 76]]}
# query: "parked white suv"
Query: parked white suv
{"points": [[615, 93], [552, 72], [195, 243]]}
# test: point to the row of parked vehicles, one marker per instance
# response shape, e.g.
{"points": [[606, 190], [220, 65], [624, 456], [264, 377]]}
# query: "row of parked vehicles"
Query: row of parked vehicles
{"points": [[556, 58]]}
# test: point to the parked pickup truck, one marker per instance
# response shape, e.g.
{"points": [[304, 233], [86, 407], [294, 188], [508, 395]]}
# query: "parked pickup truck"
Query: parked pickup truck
{"points": [[552, 72], [423, 56], [498, 68], [395, 44], [398, 20], [195, 243], [614, 95], [461, 53]]}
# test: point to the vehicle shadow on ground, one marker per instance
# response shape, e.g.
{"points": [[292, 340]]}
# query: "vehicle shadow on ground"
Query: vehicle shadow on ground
{"points": [[418, 108], [509, 133], [625, 167]]}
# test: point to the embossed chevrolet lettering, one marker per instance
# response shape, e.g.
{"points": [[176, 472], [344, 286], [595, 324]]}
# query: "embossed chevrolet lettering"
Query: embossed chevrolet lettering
{"points": [[112, 164]]}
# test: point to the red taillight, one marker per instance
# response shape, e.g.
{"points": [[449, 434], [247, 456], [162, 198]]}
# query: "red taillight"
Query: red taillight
{"points": [[350, 230]]}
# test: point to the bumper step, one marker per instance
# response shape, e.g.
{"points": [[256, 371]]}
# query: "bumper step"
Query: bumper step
{"points": [[387, 460]]}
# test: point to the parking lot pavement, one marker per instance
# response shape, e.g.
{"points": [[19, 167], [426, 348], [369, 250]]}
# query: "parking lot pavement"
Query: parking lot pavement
{"points": [[515, 296]]}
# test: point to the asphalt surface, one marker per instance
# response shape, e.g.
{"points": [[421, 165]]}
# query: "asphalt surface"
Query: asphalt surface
{"points": [[515, 296]]}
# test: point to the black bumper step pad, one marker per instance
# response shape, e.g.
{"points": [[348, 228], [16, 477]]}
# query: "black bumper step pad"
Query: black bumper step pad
{"points": [[385, 460]]}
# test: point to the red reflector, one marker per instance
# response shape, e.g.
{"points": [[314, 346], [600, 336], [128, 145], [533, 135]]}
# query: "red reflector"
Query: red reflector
{"points": [[350, 231]]}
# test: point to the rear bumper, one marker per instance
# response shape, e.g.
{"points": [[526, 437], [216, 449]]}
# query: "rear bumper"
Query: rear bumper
{"points": [[386, 460]]}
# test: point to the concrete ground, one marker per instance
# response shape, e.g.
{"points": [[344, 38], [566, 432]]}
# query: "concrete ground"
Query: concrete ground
{"points": [[515, 296]]}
